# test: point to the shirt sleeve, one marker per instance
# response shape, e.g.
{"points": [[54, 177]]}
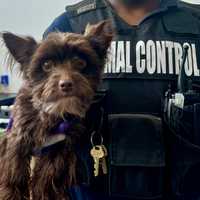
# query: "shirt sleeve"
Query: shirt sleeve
{"points": [[61, 23]]}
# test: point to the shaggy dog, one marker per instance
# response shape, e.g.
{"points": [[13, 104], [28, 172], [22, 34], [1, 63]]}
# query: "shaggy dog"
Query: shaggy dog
{"points": [[61, 74]]}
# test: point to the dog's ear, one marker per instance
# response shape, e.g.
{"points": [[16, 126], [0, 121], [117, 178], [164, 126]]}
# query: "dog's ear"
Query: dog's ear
{"points": [[21, 48], [100, 36]]}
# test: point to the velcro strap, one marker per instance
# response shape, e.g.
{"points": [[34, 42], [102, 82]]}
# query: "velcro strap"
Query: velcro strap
{"points": [[52, 142]]}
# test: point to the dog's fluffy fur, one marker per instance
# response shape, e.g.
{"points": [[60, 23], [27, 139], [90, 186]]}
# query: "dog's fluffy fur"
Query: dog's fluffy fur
{"points": [[42, 102]]}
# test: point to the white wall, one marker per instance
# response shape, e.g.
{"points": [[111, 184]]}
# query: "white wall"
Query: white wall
{"points": [[193, 1], [27, 17], [30, 17]]}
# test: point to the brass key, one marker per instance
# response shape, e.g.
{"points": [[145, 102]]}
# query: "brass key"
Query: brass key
{"points": [[105, 150], [103, 160], [97, 153], [104, 165]]}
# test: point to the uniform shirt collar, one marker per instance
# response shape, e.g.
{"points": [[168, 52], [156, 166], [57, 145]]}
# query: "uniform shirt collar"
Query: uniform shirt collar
{"points": [[164, 6], [168, 3]]}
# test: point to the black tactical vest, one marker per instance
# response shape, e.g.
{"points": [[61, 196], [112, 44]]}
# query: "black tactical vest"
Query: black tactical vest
{"points": [[143, 61]]}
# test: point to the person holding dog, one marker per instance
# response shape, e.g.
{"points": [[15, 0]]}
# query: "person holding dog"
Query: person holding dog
{"points": [[145, 58]]}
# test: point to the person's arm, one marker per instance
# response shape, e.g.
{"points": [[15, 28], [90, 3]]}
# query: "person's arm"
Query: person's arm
{"points": [[61, 23]]}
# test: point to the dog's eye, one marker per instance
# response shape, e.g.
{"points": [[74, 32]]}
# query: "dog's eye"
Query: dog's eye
{"points": [[78, 63], [47, 66]]}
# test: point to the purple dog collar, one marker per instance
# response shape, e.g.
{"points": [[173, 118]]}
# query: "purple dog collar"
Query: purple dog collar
{"points": [[9, 126], [57, 136], [62, 127]]}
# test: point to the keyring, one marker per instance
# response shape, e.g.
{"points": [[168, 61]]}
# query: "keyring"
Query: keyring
{"points": [[92, 136]]}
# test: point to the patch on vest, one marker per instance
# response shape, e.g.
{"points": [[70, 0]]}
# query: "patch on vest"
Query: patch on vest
{"points": [[86, 8], [162, 58]]}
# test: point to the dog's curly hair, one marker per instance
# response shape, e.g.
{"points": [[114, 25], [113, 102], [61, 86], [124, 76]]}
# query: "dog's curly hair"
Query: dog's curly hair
{"points": [[61, 74]]}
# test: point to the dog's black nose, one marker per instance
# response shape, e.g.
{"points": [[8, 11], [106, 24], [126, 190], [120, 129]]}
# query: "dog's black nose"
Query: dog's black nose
{"points": [[65, 85]]}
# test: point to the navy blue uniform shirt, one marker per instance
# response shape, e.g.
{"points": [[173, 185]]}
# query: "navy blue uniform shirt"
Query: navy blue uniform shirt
{"points": [[143, 60]]}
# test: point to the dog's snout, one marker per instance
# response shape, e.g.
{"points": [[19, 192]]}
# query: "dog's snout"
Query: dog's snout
{"points": [[65, 85]]}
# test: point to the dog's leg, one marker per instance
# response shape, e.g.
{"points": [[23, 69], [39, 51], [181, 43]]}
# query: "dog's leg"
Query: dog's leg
{"points": [[52, 175], [14, 168]]}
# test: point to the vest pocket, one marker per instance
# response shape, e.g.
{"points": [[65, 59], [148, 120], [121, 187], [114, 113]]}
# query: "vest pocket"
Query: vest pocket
{"points": [[136, 156], [184, 152], [185, 175]]}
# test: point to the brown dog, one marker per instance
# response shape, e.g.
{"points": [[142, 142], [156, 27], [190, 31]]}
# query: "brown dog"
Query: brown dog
{"points": [[61, 75]]}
